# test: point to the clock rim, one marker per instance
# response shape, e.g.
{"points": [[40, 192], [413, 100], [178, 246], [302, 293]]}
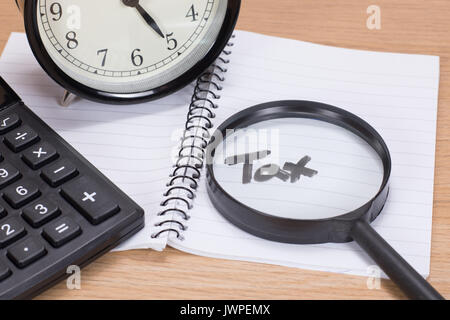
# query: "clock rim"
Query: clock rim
{"points": [[83, 91]]}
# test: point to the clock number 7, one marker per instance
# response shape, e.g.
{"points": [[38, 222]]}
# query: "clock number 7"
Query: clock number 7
{"points": [[105, 53]]}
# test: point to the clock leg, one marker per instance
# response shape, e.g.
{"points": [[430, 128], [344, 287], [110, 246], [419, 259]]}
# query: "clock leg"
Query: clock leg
{"points": [[67, 99]]}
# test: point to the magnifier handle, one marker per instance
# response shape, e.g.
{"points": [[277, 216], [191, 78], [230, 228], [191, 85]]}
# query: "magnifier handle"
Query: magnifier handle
{"points": [[398, 270]]}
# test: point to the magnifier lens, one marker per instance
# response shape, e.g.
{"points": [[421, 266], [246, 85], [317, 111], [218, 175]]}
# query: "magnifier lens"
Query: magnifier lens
{"points": [[298, 168]]}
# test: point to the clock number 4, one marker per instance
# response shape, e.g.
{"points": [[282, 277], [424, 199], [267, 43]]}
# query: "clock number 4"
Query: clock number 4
{"points": [[192, 14]]}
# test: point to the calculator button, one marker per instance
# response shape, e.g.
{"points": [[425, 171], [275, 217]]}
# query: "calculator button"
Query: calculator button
{"points": [[10, 231], [39, 155], [9, 122], [92, 200], [20, 193], [8, 174], [59, 172], [21, 138], [5, 272], [62, 231], [26, 252], [40, 212]]}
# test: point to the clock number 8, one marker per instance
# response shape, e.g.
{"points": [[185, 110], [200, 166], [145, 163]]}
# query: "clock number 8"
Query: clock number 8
{"points": [[72, 42]]}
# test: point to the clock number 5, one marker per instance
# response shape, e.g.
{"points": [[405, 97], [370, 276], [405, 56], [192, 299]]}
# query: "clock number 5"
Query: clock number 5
{"points": [[72, 42], [172, 42], [136, 58]]}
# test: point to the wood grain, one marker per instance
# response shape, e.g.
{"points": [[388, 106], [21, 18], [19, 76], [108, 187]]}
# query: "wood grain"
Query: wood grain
{"points": [[409, 26]]}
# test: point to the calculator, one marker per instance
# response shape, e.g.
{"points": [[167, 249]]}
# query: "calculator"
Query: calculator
{"points": [[56, 209]]}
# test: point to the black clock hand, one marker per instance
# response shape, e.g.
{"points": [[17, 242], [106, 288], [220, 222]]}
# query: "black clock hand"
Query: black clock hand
{"points": [[150, 21]]}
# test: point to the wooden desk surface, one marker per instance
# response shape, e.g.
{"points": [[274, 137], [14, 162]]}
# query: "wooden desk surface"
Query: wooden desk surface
{"points": [[409, 26]]}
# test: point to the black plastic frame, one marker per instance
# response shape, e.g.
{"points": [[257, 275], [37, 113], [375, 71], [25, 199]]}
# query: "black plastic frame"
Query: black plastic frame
{"points": [[44, 59], [336, 229]]}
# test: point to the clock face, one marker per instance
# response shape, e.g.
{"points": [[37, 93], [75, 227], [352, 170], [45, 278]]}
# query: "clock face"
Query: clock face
{"points": [[128, 46]]}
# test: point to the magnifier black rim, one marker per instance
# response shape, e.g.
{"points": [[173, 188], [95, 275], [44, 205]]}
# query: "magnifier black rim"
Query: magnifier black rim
{"points": [[288, 230]]}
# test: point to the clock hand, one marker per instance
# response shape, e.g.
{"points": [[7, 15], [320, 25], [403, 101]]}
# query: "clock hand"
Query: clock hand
{"points": [[150, 21]]}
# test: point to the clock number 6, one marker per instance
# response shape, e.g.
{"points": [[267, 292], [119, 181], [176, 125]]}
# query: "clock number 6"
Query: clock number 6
{"points": [[136, 58], [72, 42]]}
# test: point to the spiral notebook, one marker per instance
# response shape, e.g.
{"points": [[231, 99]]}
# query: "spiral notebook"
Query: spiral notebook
{"points": [[141, 148]]}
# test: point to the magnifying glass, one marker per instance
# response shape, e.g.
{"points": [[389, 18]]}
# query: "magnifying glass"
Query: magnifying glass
{"points": [[303, 172]]}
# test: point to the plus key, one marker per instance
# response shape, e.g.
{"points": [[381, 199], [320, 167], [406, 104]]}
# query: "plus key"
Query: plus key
{"points": [[91, 199]]}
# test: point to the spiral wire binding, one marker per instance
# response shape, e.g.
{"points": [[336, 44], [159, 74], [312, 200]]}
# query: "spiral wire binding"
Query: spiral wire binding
{"points": [[187, 169]]}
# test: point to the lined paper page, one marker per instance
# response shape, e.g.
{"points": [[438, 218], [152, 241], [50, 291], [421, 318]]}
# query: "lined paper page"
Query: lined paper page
{"points": [[396, 93], [131, 145]]}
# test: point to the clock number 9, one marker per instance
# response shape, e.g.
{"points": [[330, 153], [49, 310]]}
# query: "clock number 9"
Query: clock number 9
{"points": [[136, 58], [56, 10], [72, 42]]}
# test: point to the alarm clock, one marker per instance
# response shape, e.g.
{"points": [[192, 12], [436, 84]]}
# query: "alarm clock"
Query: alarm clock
{"points": [[127, 51]]}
